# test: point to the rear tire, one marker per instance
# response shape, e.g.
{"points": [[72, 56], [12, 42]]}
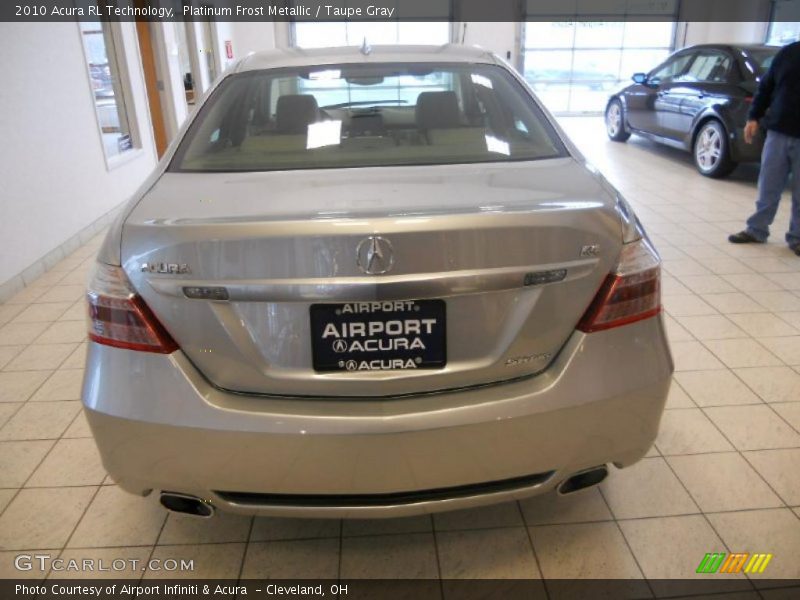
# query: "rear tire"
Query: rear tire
{"points": [[615, 122], [712, 151]]}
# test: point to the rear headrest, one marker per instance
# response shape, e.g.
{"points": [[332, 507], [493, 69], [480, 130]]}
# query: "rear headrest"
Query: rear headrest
{"points": [[437, 110], [294, 112]]}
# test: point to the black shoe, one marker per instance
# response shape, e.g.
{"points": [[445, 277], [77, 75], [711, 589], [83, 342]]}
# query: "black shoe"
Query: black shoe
{"points": [[795, 248], [743, 238]]}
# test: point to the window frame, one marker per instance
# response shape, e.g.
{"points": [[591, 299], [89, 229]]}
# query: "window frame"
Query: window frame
{"points": [[119, 58], [627, 19], [775, 8]]}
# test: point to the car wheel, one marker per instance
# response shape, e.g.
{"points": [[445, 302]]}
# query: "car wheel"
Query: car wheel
{"points": [[712, 155], [615, 122]]}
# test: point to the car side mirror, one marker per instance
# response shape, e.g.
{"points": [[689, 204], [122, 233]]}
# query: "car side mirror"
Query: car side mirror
{"points": [[640, 78]]}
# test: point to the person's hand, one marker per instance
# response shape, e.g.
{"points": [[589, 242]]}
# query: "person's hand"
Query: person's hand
{"points": [[750, 131]]}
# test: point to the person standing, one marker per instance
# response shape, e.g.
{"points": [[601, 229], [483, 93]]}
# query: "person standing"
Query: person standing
{"points": [[776, 107]]}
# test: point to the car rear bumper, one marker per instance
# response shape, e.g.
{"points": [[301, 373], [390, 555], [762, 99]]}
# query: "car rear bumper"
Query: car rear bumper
{"points": [[160, 425]]}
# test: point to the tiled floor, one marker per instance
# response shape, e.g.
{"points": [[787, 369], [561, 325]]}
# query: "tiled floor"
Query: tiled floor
{"points": [[724, 475]]}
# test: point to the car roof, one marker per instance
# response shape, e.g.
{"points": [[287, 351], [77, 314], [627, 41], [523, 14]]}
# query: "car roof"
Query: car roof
{"points": [[732, 47], [309, 57]]}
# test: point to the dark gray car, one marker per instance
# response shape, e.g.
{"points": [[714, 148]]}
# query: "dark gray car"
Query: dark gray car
{"points": [[697, 100]]}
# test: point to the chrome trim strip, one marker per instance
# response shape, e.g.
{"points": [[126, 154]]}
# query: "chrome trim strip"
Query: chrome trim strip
{"points": [[415, 286]]}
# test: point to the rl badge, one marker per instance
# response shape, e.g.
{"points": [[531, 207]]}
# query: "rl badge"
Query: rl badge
{"points": [[379, 336]]}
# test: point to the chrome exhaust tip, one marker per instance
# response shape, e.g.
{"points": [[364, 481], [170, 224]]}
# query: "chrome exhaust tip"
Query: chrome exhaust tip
{"points": [[583, 479], [187, 505]]}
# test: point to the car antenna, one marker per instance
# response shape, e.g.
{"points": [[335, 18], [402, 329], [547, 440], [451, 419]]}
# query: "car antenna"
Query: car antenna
{"points": [[365, 47]]}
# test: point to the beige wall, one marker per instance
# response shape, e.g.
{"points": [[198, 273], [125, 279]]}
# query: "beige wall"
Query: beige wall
{"points": [[55, 180]]}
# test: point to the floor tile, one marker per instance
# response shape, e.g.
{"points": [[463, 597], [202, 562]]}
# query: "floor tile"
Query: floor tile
{"points": [[742, 353], [14, 334], [19, 386], [402, 556], [552, 508], [669, 549], [776, 301], [415, 524], [76, 312], [276, 528], [735, 302], [79, 428], [675, 331], [679, 306], [772, 384], [677, 397], [6, 495], [486, 554], [706, 284], [785, 348], [584, 550], [9, 311], [647, 489], [76, 360], [750, 282], [42, 518], [40, 357], [763, 325], [753, 427], [40, 421], [776, 531], [62, 293], [222, 528], [9, 353], [209, 561], [716, 388], [116, 518], [63, 332], [780, 469], [27, 295], [295, 559], [7, 410], [70, 462], [711, 327], [506, 514], [693, 356], [689, 431], [42, 312], [62, 385], [790, 411], [722, 482], [19, 459]]}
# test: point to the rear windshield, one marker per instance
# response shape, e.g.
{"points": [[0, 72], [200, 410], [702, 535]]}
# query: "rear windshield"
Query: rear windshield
{"points": [[366, 115]]}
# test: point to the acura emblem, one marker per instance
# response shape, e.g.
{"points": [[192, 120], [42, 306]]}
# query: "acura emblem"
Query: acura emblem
{"points": [[374, 255]]}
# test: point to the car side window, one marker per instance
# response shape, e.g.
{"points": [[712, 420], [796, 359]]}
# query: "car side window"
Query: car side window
{"points": [[671, 69], [709, 66]]}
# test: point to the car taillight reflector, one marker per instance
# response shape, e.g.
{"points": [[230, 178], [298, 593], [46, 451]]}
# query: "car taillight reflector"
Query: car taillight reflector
{"points": [[120, 318], [632, 293]]}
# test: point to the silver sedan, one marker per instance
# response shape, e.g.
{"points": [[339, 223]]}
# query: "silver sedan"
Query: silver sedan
{"points": [[368, 283]]}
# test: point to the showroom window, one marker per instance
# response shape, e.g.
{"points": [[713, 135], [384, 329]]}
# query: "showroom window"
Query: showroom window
{"points": [[574, 65], [784, 27], [102, 50], [319, 34]]}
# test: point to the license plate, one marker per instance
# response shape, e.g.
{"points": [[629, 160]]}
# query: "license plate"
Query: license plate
{"points": [[379, 336]]}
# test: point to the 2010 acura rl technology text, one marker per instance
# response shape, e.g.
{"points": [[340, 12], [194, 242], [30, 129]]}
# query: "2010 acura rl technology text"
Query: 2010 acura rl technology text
{"points": [[372, 283]]}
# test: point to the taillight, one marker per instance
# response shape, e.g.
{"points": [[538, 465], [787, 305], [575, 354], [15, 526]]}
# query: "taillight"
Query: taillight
{"points": [[631, 293], [748, 99], [119, 317]]}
